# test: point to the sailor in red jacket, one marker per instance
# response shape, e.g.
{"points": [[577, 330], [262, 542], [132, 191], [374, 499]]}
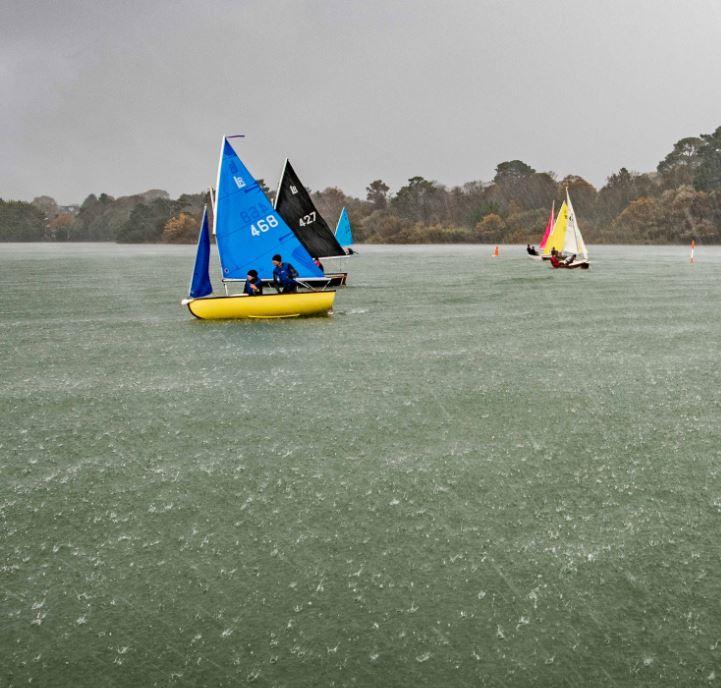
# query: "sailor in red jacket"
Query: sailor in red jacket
{"points": [[555, 262]]}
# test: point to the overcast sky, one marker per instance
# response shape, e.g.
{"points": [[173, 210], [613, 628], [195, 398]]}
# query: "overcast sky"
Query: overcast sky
{"points": [[125, 96]]}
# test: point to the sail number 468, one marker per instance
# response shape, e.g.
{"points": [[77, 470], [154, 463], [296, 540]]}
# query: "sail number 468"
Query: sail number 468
{"points": [[263, 225]]}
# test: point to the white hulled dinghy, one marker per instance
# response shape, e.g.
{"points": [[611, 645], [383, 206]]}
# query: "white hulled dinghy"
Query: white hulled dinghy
{"points": [[566, 239], [574, 244], [294, 204], [248, 233]]}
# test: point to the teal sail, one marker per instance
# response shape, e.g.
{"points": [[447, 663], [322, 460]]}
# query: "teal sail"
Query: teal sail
{"points": [[200, 283], [247, 229], [343, 233]]}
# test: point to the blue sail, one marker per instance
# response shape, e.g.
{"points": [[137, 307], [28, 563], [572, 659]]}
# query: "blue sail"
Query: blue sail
{"points": [[343, 233], [200, 284], [247, 229]]}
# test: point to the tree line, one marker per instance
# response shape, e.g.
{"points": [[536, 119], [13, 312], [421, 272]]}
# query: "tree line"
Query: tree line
{"points": [[680, 201]]}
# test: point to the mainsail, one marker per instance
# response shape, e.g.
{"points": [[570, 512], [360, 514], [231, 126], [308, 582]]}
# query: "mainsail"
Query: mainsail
{"points": [[549, 227], [557, 237], [343, 233], [296, 207], [200, 283], [574, 244], [248, 231]]}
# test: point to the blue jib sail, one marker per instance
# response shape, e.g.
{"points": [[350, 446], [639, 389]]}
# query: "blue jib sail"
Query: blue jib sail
{"points": [[343, 233], [248, 231], [200, 284]]}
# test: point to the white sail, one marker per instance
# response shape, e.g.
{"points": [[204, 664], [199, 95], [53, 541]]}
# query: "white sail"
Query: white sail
{"points": [[574, 240]]}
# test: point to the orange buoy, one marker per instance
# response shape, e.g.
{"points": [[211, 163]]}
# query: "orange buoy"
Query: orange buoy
{"points": [[693, 248], [495, 253]]}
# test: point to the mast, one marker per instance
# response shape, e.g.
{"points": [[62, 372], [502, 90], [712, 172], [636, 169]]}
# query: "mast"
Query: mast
{"points": [[280, 181]]}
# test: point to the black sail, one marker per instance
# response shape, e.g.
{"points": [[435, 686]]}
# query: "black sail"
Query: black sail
{"points": [[295, 206]]}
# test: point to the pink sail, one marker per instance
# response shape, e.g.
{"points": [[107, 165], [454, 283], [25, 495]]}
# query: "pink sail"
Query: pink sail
{"points": [[549, 227]]}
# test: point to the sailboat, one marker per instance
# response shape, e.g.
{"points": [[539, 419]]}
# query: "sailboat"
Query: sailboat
{"points": [[294, 204], [248, 233], [566, 237]]}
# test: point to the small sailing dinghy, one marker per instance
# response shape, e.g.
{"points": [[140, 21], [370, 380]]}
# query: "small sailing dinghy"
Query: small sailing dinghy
{"points": [[248, 233], [566, 238], [294, 204]]}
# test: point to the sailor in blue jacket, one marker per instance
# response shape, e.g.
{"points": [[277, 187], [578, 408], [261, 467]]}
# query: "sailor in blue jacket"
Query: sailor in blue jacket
{"points": [[253, 284], [284, 275]]}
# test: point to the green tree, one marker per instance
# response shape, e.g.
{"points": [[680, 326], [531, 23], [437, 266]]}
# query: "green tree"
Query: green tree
{"points": [[146, 222], [491, 229], [708, 172], [679, 166], [642, 221], [21, 221], [377, 194], [516, 182], [512, 172], [583, 194], [330, 202], [620, 189], [420, 201]]}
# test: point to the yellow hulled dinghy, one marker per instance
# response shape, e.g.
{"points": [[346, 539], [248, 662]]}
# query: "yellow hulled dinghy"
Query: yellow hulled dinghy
{"points": [[300, 304], [249, 232]]}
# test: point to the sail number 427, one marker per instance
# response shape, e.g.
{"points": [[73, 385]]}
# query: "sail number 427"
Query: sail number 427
{"points": [[263, 225], [307, 219]]}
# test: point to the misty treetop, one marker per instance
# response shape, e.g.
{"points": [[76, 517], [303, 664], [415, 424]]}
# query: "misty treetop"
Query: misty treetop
{"points": [[681, 200]]}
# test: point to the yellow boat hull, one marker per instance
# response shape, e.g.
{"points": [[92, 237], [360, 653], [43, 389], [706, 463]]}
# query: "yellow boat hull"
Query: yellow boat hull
{"points": [[296, 305]]}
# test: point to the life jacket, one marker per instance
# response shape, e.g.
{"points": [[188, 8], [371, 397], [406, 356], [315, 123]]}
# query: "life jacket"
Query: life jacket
{"points": [[285, 273], [258, 283]]}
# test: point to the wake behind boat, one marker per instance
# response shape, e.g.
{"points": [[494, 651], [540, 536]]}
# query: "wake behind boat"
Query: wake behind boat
{"points": [[249, 234]]}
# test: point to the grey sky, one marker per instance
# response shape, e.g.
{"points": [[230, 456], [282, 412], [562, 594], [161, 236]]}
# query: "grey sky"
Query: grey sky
{"points": [[125, 96]]}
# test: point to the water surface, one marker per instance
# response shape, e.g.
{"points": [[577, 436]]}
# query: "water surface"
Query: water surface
{"points": [[477, 472]]}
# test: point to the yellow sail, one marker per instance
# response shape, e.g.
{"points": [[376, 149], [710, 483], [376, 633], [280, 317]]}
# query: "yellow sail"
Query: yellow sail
{"points": [[557, 237]]}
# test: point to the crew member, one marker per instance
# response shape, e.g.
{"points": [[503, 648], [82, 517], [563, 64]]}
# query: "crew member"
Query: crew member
{"points": [[531, 250], [284, 275], [253, 284], [555, 262]]}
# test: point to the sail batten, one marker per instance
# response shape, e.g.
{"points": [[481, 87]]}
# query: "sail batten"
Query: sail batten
{"points": [[296, 207], [248, 230]]}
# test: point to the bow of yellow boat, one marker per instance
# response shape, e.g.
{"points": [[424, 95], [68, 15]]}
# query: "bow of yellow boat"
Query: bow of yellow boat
{"points": [[300, 304]]}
